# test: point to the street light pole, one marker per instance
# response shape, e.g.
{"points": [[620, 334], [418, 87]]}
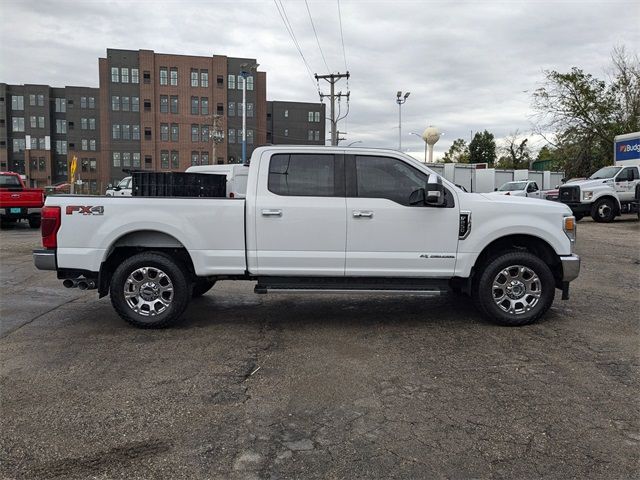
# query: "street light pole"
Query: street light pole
{"points": [[400, 100]]}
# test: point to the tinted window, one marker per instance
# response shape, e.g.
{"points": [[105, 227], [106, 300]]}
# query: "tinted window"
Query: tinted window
{"points": [[385, 177], [626, 174], [302, 175]]}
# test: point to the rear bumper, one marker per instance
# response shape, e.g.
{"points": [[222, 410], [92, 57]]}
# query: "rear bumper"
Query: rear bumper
{"points": [[45, 259], [22, 213], [570, 267]]}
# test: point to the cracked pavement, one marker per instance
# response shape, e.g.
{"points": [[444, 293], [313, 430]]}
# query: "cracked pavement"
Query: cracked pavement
{"points": [[340, 386]]}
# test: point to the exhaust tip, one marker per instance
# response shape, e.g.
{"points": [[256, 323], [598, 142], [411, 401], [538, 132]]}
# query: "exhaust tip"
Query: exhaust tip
{"points": [[68, 283]]}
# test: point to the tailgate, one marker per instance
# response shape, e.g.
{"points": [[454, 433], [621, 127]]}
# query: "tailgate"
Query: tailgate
{"points": [[21, 198]]}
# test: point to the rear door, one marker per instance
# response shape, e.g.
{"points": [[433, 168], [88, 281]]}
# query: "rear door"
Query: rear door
{"points": [[386, 236], [300, 217]]}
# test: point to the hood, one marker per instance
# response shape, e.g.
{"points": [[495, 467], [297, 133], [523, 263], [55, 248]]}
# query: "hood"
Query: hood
{"points": [[530, 202], [589, 183], [511, 193]]}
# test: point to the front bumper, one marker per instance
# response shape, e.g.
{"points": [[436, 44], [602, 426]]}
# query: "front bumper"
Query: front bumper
{"points": [[45, 259], [570, 267], [584, 208]]}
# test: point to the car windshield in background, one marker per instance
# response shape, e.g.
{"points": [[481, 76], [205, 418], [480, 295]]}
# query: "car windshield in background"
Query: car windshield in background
{"points": [[606, 172], [511, 187], [9, 181]]}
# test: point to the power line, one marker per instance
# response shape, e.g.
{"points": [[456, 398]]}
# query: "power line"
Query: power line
{"points": [[344, 54], [313, 26]]}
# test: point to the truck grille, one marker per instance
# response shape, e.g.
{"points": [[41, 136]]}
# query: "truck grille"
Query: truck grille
{"points": [[570, 194]]}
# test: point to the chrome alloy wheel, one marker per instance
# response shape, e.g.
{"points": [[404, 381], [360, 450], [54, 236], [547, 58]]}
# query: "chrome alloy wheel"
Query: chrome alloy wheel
{"points": [[604, 210], [516, 289], [148, 291]]}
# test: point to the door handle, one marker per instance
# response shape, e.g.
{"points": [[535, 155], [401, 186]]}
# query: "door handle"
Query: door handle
{"points": [[362, 214], [272, 213]]}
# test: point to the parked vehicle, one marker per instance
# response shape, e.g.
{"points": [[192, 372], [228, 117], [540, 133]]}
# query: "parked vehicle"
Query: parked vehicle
{"points": [[316, 219], [122, 189], [554, 193], [519, 188], [606, 194], [236, 177], [17, 202]]}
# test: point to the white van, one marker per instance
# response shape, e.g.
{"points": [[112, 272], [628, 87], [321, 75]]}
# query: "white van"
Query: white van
{"points": [[236, 177]]}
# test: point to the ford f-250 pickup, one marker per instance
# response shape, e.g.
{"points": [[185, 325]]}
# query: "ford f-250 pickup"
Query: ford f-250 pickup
{"points": [[17, 202], [316, 219]]}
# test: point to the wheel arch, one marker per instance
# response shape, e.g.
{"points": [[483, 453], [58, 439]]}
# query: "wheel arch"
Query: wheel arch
{"points": [[613, 198]]}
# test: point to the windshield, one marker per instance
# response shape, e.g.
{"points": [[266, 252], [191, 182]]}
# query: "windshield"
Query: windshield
{"points": [[124, 183], [606, 172], [9, 181], [510, 187]]}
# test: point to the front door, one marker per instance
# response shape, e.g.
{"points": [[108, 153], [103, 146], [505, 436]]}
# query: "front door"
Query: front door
{"points": [[386, 236], [625, 183], [300, 215]]}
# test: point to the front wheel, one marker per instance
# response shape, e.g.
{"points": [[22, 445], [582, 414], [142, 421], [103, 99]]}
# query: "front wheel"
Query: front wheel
{"points": [[514, 289], [150, 290], [603, 211]]}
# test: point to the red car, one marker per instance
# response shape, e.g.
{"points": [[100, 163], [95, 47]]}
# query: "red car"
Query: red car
{"points": [[18, 202]]}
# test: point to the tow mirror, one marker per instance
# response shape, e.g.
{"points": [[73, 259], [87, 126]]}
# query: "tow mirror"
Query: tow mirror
{"points": [[434, 191], [417, 197]]}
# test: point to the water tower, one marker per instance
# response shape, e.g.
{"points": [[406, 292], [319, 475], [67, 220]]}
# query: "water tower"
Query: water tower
{"points": [[430, 136]]}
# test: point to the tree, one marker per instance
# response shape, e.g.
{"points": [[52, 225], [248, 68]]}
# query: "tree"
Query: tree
{"points": [[516, 152], [458, 152], [584, 113], [482, 149]]}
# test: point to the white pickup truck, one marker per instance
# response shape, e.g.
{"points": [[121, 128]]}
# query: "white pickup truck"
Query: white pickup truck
{"points": [[316, 219]]}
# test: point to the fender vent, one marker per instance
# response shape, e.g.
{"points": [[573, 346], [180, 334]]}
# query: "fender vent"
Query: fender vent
{"points": [[465, 225]]}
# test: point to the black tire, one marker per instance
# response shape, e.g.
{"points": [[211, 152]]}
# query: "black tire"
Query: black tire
{"points": [[200, 287], [579, 216], [170, 271], [603, 211], [483, 291], [34, 221]]}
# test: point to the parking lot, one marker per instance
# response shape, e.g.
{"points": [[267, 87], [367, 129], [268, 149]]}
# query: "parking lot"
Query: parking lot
{"points": [[296, 386]]}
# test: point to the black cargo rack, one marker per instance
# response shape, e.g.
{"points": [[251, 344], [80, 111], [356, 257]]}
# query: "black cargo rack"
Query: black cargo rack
{"points": [[178, 184]]}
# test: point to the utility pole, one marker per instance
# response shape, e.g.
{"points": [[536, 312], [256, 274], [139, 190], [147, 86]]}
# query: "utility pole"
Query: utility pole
{"points": [[332, 79]]}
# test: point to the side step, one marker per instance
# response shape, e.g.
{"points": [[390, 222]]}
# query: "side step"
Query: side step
{"points": [[413, 286]]}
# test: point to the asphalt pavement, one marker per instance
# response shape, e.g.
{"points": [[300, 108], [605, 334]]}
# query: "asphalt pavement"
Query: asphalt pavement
{"points": [[315, 386]]}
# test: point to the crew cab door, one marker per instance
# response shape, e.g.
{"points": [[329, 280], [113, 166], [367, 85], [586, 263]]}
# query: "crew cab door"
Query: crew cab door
{"points": [[386, 236], [532, 190], [625, 183], [300, 215]]}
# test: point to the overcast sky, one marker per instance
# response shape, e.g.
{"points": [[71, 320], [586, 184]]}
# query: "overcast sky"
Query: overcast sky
{"points": [[469, 65]]}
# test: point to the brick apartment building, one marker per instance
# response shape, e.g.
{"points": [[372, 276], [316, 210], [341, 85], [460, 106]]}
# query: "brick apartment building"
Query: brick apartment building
{"points": [[152, 111]]}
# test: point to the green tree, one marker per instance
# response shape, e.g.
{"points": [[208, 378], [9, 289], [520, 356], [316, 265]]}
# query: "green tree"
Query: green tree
{"points": [[482, 148], [458, 152]]}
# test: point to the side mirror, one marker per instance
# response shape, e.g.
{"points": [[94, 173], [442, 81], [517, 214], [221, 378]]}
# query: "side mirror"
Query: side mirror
{"points": [[110, 186], [495, 189], [417, 197], [434, 191], [557, 186]]}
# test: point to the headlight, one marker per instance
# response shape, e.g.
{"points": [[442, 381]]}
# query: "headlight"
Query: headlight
{"points": [[587, 195], [570, 229]]}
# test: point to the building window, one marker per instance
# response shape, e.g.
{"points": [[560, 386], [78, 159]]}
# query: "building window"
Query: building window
{"points": [[92, 102], [136, 159], [61, 105], [83, 102], [194, 78], [164, 159], [316, 116], [116, 159], [204, 78], [147, 134], [85, 144], [164, 104], [92, 124], [18, 144], [124, 75], [175, 160], [231, 82], [194, 158], [310, 119], [250, 110], [148, 162], [310, 134], [286, 132], [115, 131], [126, 159], [135, 75], [250, 83], [174, 104], [174, 76], [231, 109], [126, 132], [32, 100], [61, 147], [220, 81], [250, 137], [316, 135], [42, 143], [33, 121], [164, 76], [164, 132], [135, 132], [115, 75], [204, 133], [40, 122], [115, 103], [194, 105], [126, 105], [204, 106], [232, 135], [17, 102], [204, 158], [239, 109], [42, 164], [175, 131], [286, 114], [135, 104], [92, 145], [195, 133], [147, 105], [34, 146], [40, 100], [220, 109], [61, 126], [146, 76]]}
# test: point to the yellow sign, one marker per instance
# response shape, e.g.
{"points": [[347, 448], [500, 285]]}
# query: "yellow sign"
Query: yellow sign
{"points": [[73, 167]]}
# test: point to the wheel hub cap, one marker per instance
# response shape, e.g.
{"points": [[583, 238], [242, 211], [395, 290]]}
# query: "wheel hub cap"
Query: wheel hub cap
{"points": [[148, 291], [516, 289]]}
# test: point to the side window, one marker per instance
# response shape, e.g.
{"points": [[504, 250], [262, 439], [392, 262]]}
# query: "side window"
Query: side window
{"points": [[627, 174], [533, 187], [634, 174], [308, 175], [385, 177]]}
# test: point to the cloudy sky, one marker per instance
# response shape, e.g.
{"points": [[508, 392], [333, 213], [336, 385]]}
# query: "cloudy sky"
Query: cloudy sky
{"points": [[469, 65]]}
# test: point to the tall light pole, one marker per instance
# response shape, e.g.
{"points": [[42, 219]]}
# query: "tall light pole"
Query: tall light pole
{"points": [[400, 100], [245, 71]]}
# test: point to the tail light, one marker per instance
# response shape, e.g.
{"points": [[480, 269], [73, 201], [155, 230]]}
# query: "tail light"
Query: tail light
{"points": [[49, 226]]}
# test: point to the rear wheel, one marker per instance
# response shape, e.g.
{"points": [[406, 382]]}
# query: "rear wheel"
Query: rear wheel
{"points": [[514, 289], [201, 287], [150, 290], [603, 211]]}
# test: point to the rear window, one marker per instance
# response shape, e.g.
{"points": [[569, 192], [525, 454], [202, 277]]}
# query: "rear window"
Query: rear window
{"points": [[9, 181], [305, 175]]}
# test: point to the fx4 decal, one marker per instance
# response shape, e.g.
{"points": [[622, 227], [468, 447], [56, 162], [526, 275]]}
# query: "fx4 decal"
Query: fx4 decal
{"points": [[85, 210]]}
